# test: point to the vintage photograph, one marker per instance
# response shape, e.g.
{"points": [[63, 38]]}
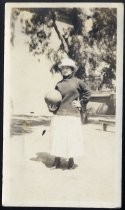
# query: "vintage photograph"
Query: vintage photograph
{"points": [[63, 83]]}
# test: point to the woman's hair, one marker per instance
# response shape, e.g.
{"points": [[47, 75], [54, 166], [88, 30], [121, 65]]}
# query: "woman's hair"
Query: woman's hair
{"points": [[70, 68]]}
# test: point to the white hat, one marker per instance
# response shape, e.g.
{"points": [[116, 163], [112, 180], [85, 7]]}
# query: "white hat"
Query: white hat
{"points": [[68, 62]]}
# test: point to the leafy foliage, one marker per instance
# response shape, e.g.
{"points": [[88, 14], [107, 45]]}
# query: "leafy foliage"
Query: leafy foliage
{"points": [[88, 46]]}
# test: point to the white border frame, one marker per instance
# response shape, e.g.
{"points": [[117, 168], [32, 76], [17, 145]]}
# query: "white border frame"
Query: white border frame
{"points": [[119, 93]]}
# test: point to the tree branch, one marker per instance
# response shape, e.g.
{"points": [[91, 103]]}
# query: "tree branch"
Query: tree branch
{"points": [[65, 46]]}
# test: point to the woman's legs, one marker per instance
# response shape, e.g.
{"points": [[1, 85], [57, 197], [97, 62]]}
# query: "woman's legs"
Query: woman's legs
{"points": [[70, 163], [56, 163]]}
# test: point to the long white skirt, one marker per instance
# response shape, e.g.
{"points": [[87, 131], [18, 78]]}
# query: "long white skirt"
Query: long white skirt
{"points": [[66, 136]]}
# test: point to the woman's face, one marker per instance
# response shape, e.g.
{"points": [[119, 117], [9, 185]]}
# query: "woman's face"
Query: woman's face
{"points": [[66, 70]]}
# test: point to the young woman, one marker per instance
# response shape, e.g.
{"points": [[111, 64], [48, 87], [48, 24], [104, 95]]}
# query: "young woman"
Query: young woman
{"points": [[66, 123]]}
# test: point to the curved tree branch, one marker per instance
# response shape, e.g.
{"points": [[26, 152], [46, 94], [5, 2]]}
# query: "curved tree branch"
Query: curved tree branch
{"points": [[65, 46]]}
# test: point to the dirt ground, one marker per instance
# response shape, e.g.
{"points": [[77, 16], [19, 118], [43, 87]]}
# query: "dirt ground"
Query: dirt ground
{"points": [[30, 181]]}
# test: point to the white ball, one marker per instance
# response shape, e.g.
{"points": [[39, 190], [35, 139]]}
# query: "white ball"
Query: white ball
{"points": [[53, 97]]}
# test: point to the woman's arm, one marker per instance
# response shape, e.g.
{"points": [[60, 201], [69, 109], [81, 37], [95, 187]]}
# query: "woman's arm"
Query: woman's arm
{"points": [[85, 93], [84, 97], [52, 108]]}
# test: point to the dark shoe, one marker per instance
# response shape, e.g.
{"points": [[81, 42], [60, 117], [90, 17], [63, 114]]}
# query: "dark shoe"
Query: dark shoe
{"points": [[70, 163], [56, 163]]}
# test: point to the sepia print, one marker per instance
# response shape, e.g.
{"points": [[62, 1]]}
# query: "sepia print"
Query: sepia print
{"points": [[63, 104]]}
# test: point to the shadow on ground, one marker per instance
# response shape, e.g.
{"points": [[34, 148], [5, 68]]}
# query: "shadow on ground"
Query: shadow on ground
{"points": [[48, 160]]}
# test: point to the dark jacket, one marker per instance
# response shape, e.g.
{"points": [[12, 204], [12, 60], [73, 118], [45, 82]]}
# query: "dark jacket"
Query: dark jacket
{"points": [[71, 89]]}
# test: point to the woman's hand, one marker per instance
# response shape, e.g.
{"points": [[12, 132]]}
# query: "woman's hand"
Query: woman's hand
{"points": [[52, 107], [76, 104]]}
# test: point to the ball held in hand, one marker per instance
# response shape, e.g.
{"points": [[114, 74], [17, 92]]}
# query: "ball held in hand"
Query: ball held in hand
{"points": [[53, 97]]}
